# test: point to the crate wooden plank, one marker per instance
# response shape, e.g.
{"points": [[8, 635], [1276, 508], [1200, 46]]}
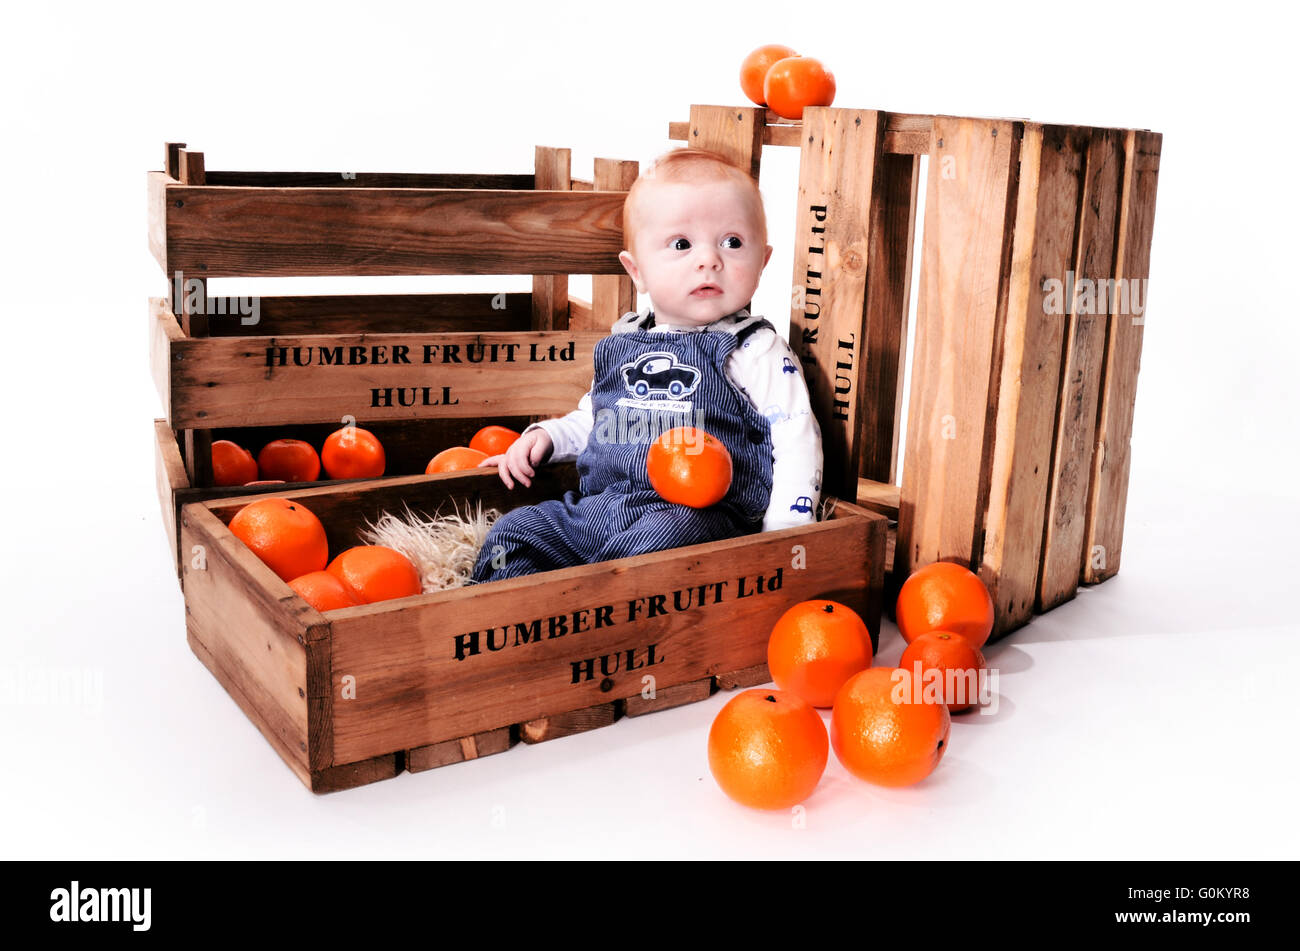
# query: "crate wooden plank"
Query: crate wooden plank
{"points": [[905, 134], [370, 313], [1051, 165], [157, 217], [475, 180], [611, 297], [260, 232], [501, 643], [569, 723], [253, 635], [669, 697], [837, 171], [1110, 465], [751, 676], [550, 298], [889, 287], [169, 478], [352, 775], [1084, 351], [879, 497], [970, 204], [735, 132], [260, 381], [460, 750]]}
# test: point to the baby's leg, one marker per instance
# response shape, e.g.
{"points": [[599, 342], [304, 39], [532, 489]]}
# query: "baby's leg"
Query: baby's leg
{"points": [[527, 540], [662, 527]]}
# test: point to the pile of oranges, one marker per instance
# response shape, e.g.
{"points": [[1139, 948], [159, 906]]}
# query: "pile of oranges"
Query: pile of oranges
{"points": [[779, 78], [348, 453], [291, 541], [768, 748]]}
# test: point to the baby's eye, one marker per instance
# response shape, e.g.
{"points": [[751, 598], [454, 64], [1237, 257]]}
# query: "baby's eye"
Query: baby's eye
{"points": [[680, 244], [732, 238]]}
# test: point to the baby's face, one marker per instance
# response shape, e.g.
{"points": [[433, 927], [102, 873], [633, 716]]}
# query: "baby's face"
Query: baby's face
{"points": [[697, 252]]}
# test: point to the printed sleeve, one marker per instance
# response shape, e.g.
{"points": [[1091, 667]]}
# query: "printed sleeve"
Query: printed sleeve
{"points": [[767, 370], [568, 433]]}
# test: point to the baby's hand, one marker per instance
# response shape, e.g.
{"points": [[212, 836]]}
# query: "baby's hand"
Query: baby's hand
{"points": [[531, 449]]}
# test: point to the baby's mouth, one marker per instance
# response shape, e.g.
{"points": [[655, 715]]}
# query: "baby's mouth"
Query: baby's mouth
{"points": [[707, 290]]}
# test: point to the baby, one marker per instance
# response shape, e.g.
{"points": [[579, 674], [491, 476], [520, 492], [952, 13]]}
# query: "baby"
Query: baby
{"points": [[696, 244]]}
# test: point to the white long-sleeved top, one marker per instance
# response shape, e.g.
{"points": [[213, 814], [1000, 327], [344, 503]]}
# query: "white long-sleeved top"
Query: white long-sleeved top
{"points": [[765, 369]]}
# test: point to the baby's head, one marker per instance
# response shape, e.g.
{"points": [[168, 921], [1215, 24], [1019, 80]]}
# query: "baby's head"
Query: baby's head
{"points": [[695, 236]]}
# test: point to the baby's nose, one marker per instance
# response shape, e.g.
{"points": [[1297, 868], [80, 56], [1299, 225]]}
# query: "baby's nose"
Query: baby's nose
{"points": [[708, 257]]}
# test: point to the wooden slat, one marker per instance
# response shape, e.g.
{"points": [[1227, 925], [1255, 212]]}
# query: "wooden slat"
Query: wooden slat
{"points": [[256, 232], [889, 285], [970, 207], [255, 381], [570, 723], [1051, 165], [1084, 351], [879, 497], [352, 775], [579, 313], [191, 167], [412, 688], [460, 750], [905, 134], [551, 291], [157, 200], [249, 629], [669, 697], [370, 180], [751, 676], [370, 313], [837, 172], [169, 478], [172, 159], [191, 313], [611, 297], [1110, 464], [735, 132]]}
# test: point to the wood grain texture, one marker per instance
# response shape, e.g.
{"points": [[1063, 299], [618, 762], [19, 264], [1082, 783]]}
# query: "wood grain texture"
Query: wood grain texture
{"points": [[569, 723], [889, 286], [370, 313], [735, 132], [669, 697], [1051, 169], [550, 301], [828, 324], [172, 159], [262, 232], [352, 775], [461, 750], [257, 381], [1110, 464], [169, 478], [879, 497], [157, 216], [251, 629], [470, 180], [611, 297], [906, 134], [412, 688], [752, 676], [969, 214], [1084, 352]]}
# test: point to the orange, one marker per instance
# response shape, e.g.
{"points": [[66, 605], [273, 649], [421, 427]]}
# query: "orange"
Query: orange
{"points": [[284, 534], [232, 464], [289, 459], [816, 646], [755, 66], [493, 440], [352, 453], [376, 573], [795, 82], [454, 459], [956, 660], [945, 597], [885, 739], [324, 591], [767, 749], [688, 466]]}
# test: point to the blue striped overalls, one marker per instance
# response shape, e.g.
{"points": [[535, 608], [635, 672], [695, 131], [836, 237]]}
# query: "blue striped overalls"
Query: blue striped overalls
{"points": [[644, 384]]}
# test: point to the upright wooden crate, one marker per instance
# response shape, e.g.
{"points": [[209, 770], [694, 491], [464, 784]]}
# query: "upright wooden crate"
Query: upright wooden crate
{"points": [[423, 371], [356, 695], [1021, 407]]}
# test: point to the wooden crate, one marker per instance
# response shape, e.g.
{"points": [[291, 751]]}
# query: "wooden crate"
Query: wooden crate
{"points": [[356, 695], [1016, 460], [423, 371]]}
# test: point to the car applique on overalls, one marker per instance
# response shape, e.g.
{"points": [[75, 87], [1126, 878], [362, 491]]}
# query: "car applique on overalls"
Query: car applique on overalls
{"points": [[802, 504], [659, 373]]}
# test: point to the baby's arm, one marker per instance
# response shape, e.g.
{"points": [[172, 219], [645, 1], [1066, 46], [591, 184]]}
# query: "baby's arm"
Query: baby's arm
{"points": [[768, 371], [554, 440]]}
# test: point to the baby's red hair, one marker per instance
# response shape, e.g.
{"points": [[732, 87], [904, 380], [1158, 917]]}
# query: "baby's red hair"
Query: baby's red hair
{"points": [[693, 166]]}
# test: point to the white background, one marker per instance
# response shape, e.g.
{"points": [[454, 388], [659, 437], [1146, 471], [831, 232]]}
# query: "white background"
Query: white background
{"points": [[1150, 717]]}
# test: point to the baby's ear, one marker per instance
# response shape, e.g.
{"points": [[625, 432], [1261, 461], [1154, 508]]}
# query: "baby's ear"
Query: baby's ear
{"points": [[629, 264], [767, 254]]}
